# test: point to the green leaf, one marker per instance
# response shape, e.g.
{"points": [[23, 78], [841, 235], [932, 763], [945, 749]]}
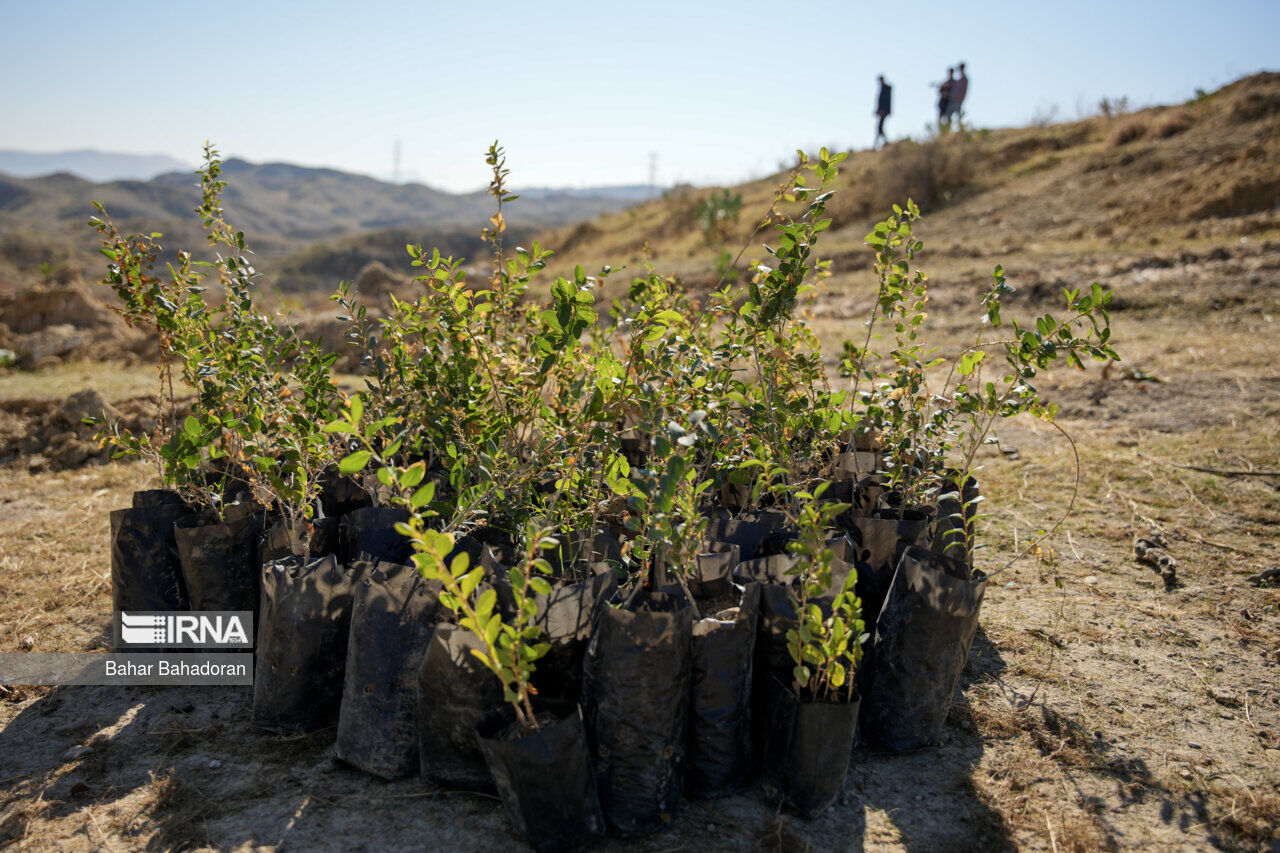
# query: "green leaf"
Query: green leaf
{"points": [[355, 462], [970, 361], [470, 581], [340, 428], [423, 496], [413, 475]]}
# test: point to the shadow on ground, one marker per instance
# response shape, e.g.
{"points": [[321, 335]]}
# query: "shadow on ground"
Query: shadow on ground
{"points": [[177, 768], [924, 800]]}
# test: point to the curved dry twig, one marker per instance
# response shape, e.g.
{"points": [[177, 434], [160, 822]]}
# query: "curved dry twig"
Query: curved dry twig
{"points": [[1075, 492]]}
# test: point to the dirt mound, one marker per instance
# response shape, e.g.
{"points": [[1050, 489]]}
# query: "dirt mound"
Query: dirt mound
{"points": [[46, 435], [374, 286], [331, 334], [61, 299], [376, 280], [60, 319]]}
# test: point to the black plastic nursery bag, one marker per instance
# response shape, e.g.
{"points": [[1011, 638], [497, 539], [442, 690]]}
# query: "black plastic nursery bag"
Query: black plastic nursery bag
{"points": [[720, 743], [369, 533], [220, 561], [806, 750], [567, 616], [636, 702], [455, 692], [392, 617], [145, 571], [545, 778], [922, 642], [303, 624]]}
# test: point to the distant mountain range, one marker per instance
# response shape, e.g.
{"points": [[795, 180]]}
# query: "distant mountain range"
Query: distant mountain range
{"points": [[105, 166], [91, 165], [624, 192], [284, 210]]}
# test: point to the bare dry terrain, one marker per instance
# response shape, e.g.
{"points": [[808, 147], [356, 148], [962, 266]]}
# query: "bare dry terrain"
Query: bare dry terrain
{"points": [[1102, 707]]}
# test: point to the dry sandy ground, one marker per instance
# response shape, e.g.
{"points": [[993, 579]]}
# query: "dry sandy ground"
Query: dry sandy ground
{"points": [[1098, 710]]}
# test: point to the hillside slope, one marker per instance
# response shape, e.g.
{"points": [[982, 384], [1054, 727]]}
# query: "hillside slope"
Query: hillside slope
{"points": [[1203, 170]]}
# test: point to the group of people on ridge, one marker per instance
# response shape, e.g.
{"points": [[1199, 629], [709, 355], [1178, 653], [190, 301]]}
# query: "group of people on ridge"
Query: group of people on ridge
{"points": [[951, 94]]}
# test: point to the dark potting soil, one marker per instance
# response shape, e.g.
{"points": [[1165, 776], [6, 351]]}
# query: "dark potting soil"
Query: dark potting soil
{"points": [[369, 533], [545, 778], [515, 730], [393, 615], [922, 641], [303, 625], [636, 702]]}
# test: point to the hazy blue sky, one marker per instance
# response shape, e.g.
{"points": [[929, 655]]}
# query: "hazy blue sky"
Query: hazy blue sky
{"points": [[581, 93]]}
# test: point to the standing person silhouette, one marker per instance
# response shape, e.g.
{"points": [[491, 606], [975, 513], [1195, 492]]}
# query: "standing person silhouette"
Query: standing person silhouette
{"points": [[944, 96], [959, 89], [884, 106]]}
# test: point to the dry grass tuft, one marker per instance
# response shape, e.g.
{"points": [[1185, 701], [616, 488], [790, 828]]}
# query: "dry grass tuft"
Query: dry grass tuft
{"points": [[996, 723], [1127, 131], [15, 821], [1252, 817], [1257, 105], [1173, 123], [1073, 834], [167, 790], [929, 172], [1060, 738]]}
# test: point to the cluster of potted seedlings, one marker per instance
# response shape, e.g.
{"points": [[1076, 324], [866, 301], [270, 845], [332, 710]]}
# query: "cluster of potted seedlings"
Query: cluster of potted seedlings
{"points": [[591, 563]]}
